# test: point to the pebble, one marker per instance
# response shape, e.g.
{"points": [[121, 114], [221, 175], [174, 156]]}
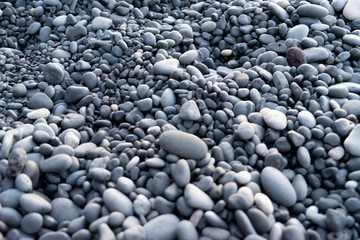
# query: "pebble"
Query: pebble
{"points": [[31, 202], [264, 203], [351, 10], [197, 198], [351, 39], [245, 131], [352, 107], [298, 32], [186, 231], [116, 201], [56, 164], [182, 173], [316, 54], [312, 11], [278, 187], [295, 56], [16, 161], [101, 23], [53, 73], [166, 67], [163, 227], [189, 111], [274, 119], [306, 119], [351, 141], [40, 100], [32, 223], [39, 113], [63, 209], [278, 11], [183, 144], [188, 57]]}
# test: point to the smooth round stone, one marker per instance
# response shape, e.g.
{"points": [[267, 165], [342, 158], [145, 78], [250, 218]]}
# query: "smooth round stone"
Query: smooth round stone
{"points": [[259, 220], [208, 26], [312, 10], [306, 119], [351, 10], [40, 100], [316, 54], [278, 187], [196, 198], [56, 164], [300, 187], [34, 28], [101, 23], [10, 198], [243, 199], [243, 108], [243, 177], [75, 33], [16, 161], [75, 94], [73, 120], [352, 141], [59, 53], [31, 223], [351, 39], [19, 90], [303, 157], [39, 113], [181, 174], [44, 34], [31, 202], [280, 81], [53, 73], [145, 104], [23, 183], [295, 56], [338, 91], [338, 5], [168, 98], [149, 39], [55, 235], [307, 70], [188, 57], [264, 203], [274, 119], [125, 185], [278, 11], [298, 32], [162, 227], [335, 220], [117, 201], [189, 111], [59, 21], [245, 131], [186, 231], [183, 144], [292, 232], [142, 205], [215, 233], [10, 217], [166, 67], [63, 209], [352, 107]]}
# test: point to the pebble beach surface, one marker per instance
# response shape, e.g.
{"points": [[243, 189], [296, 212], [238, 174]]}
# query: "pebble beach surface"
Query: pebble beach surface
{"points": [[180, 119]]}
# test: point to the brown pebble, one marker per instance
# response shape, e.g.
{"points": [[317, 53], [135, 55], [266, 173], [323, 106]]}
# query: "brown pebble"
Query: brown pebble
{"points": [[295, 56]]}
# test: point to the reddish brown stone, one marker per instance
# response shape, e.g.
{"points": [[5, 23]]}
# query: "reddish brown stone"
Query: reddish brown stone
{"points": [[295, 56]]}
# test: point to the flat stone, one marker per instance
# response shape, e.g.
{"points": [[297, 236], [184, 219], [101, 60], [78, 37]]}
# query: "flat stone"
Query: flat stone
{"points": [[162, 227], [39, 113], [278, 187], [166, 67], [351, 10], [351, 39], [117, 201], [280, 81], [10, 198], [316, 54], [312, 10], [40, 100], [352, 141], [196, 198], [183, 144], [274, 119], [338, 91], [73, 120], [75, 94], [59, 53], [168, 98], [33, 28]]}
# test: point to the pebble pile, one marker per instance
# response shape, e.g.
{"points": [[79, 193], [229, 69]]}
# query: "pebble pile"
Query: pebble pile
{"points": [[179, 119]]}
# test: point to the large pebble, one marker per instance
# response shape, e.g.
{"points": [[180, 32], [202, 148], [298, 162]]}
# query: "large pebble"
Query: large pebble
{"points": [[162, 227], [57, 163], [316, 54], [40, 100], [278, 11], [63, 209], [183, 144], [274, 119], [352, 10], [186, 231], [298, 32], [166, 67], [312, 10], [101, 23], [307, 119], [53, 73], [196, 198], [31, 202], [278, 187], [190, 111], [352, 141], [117, 201], [188, 57], [351, 39], [32, 223]]}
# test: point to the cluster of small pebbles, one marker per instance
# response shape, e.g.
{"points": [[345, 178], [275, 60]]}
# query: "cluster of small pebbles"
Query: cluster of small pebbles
{"points": [[180, 119]]}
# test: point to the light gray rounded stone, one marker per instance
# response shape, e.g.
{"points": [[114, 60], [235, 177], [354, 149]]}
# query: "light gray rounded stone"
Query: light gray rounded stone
{"points": [[352, 141], [53, 73], [307, 119], [196, 198], [166, 67], [183, 144], [31, 202], [190, 111], [278, 187], [162, 227], [117, 201], [274, 119]]}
